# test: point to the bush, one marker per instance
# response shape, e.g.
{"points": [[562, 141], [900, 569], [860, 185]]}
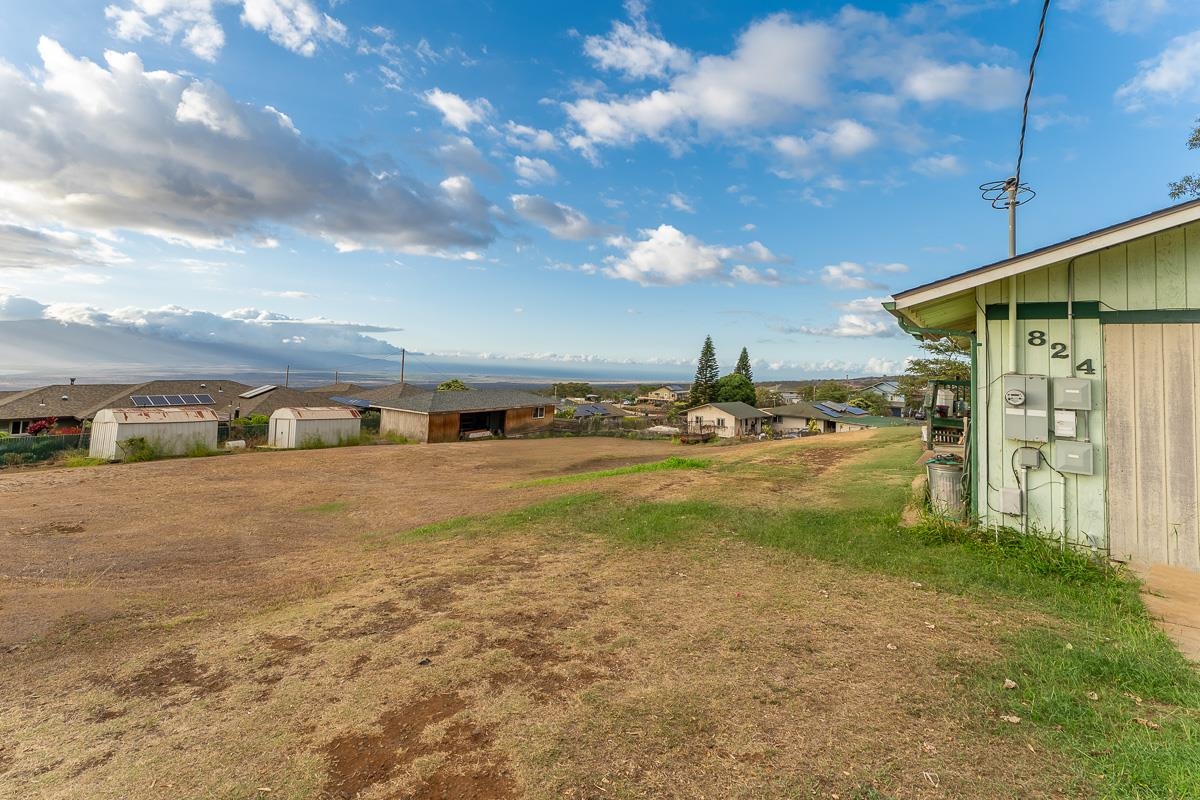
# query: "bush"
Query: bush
{"points": [[138, 448]]}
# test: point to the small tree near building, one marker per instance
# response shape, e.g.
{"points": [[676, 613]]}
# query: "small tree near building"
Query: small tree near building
{"points": [[836, 391], [735, 388], [453, 385], [704, 387], [949, 360]]}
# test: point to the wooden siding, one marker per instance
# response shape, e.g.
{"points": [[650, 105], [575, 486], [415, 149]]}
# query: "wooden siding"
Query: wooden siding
{"points": [[1159, 272], [412, 425], [1153, 443], [521, 421], [444, 427]]}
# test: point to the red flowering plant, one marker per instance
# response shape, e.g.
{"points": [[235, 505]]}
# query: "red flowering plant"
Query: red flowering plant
{"points": [[41, 426]]}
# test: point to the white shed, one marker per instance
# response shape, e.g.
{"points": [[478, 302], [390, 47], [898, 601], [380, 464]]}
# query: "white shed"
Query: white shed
{"points": [[172, 431], [313, 427]]}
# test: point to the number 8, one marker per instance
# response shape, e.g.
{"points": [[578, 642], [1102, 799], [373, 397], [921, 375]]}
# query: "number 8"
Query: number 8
{"points": [[1037, 338]]}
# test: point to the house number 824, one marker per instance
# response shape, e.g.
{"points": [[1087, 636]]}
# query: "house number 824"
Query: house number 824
{"points": [[1059, 350]]}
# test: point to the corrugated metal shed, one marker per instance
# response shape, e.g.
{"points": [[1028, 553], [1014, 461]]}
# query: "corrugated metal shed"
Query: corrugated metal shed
{"points": [[172, 431], [317, 412]]}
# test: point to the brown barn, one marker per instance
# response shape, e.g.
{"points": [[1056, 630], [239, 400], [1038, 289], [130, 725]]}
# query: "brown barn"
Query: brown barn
{"points": [[450, 416]]}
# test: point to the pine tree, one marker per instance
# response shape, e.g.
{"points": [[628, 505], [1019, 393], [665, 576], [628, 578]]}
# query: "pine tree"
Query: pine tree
{"points": [[743, 366], [704, 387]]}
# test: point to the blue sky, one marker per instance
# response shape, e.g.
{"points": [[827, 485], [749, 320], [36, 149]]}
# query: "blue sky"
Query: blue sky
{"points": [[579, 183]]}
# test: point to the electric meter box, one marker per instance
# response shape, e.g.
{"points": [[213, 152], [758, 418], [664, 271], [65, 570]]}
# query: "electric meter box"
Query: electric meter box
{"points": [[1073, 394], [1074, 457], [1026, 408]]}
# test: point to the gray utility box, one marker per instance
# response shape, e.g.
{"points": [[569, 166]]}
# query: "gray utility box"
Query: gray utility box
{"points": [[1026, 408], [1073, 394], [1074, 457]]}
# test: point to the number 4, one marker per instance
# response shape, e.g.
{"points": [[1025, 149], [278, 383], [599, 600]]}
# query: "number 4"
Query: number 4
{"points": [[1086, 367]]}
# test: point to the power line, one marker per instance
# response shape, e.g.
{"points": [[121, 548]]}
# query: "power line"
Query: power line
{"points": [[1037, 48]]}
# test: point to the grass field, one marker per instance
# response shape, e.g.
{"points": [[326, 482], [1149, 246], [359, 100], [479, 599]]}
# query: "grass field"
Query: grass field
{"points": [[748, 623]]}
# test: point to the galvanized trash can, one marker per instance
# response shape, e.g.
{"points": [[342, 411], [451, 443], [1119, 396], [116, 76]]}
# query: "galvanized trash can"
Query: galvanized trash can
{"points": [[945, 487]]}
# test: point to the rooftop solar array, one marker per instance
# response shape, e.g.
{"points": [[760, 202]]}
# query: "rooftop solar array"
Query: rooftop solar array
{"points": [[256, 392], [350, 401], [837, 409], [164, 400]]}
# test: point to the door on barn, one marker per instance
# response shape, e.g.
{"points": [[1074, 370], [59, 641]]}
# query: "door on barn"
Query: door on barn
{"points": [[1153, 435]]}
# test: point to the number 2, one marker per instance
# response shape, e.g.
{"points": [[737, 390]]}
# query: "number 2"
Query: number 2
{"points": [[1058, 350]]}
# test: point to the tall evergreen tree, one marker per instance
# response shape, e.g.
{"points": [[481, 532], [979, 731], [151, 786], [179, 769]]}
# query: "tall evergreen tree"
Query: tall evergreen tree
{"points": [[704, 387], [743, 366]]}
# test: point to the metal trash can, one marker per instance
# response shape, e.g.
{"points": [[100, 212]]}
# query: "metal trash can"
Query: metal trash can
{"points": [[945, 487]]}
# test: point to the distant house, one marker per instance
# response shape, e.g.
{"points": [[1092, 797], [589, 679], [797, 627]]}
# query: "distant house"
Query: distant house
{"points": [[665, 395], [727, 420], [598, 411], [451, 416], [71, 404], [790, 397], [866, 422], [801, 416], [890, 392], [340, 388]]}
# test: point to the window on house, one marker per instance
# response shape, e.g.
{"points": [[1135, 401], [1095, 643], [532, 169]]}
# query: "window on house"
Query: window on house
{"points": [[539, 412], [720, 422]]}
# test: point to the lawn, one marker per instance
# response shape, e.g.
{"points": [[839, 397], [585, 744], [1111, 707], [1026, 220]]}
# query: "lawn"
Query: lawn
{"points": [[749, 622]]}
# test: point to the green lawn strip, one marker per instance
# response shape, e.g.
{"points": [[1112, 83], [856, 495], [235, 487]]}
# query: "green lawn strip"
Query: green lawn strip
{"points": [[1139, 737], [326, 508], [672, 463]]}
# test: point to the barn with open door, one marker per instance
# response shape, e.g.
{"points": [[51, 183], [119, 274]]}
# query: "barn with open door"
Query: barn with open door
{"points": [[453, 416], [1085, 392]]}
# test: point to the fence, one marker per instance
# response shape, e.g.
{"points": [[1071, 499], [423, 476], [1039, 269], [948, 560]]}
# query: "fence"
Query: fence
{"points": [[29, 449], [250, 434], [608, 426]]}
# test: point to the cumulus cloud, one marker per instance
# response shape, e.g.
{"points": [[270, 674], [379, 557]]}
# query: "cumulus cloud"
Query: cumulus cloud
{"points": [[940, 164], [680, 202], [848, 275], [1173, 74], [456, 111], [781, 69], [115, 146], [562, 221], [243, 327], [526, 138], [534, 170], [294, 24], [24, 247], [666, 256], [635, 50], [1121, 16]]}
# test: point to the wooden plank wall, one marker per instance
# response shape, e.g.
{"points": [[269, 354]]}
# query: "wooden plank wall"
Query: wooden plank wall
{"points": [[1153, 273], [444, 427], [520, 420], [409, 424]]}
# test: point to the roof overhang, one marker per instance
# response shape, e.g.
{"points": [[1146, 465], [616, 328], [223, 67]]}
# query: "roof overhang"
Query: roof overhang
{"points": [[949, 304]]}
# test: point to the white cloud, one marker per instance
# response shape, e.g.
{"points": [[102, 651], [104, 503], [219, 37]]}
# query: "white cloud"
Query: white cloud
{"points": [[847, 275], [680, 202], [534, 170], [1121, 16], [749, 226], [1172, 75], [935, 165], [457, 112], [527, 138], [23, 248], [117, 147], [294, 24], [666, 256], [864, 317], [290, 294], [459, 155], [243, 327], [768, 276], [985, 86], [635, 50], [895, 268], [778, 66], [844, 139], [562, 221]]}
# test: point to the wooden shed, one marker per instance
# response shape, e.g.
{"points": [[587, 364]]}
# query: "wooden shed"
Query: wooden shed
{"points": [[321, 426], [171, 431], [451, 416], [1085, 388]]}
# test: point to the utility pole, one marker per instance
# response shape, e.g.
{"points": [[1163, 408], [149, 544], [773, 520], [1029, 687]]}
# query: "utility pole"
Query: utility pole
{"points": [[402, 354], [286, 372]]}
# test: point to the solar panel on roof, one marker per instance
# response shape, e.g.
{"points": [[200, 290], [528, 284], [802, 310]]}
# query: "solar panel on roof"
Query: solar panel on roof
{"points": [[350, 401], [256, 392], [164, 400], [855, 410], [828, 408]]}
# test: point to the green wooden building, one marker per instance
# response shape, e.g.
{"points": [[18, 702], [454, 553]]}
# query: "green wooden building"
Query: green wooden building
{"points": [[1085, 385]]}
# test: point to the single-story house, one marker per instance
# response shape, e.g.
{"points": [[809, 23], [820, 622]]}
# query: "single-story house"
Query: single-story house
{"points": [[664, 395], [450, 416], [867, 422], [727, 420], [1084, 390], [890, 392], [800, 417], [313, 426], [597, 411], [171, 431], [71, 404]]}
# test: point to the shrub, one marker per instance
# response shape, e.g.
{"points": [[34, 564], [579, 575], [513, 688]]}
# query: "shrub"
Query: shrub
{"points": [[138, 448]]}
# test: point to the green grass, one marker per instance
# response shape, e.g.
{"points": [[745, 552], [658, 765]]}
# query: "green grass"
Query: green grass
{"points": [[81, 459], [331, 507], [1096, 639], [672, 463]]}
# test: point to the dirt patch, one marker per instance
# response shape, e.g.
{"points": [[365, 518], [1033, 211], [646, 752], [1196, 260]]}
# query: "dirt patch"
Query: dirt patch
{"points": [[384, 619], [171, 672], [360, 761], [290, 645], [433, 595], [49, 529], [598, 465], [822, 459]]}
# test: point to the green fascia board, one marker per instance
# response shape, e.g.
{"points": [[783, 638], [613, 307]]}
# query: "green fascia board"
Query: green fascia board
{"points": [[1081, 309], [1152, 316]]}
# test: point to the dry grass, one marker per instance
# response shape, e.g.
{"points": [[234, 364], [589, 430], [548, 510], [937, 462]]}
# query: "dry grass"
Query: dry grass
{"points": [[526, 660]]}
